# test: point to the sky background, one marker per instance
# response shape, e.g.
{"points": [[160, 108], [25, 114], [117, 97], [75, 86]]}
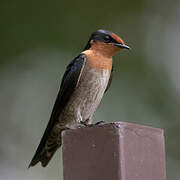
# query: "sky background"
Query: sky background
{"points": [[39, 38]]}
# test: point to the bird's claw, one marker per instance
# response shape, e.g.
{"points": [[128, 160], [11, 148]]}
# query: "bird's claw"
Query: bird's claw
{"points": [[99, 122], [91, 125]]}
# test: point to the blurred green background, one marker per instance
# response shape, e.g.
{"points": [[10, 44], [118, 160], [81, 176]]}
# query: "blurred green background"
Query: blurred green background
{"points": [[39, 38]]}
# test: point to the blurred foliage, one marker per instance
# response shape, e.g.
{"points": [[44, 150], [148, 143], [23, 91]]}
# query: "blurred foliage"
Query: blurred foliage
{"points": [[39, 38]]}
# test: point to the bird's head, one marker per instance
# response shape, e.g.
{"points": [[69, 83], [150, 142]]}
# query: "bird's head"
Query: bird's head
{"points": [[105, 42]]}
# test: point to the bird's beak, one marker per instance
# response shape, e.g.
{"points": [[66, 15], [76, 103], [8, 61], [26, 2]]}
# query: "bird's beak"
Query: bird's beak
{"points": [[122, 46]]}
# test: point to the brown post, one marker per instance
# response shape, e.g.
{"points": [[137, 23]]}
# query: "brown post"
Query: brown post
{"points": [[115, 151]]}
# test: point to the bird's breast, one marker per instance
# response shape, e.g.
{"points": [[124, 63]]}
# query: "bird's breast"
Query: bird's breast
{"points": [[87, 95], [98, 61], [90, 90]]}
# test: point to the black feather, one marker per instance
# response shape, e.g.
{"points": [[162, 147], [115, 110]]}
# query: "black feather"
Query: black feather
{"points": [[68, 84], [100, 35]]}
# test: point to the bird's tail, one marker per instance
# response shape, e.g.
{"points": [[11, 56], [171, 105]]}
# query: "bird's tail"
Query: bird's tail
{"points": [[46, 152], [43, 157]]}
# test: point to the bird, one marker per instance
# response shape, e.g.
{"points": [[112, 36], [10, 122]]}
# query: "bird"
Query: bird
{"points": [[87, 77]]}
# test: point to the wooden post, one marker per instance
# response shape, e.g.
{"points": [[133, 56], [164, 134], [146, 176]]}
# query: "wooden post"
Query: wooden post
{"points": [[115, 151]]}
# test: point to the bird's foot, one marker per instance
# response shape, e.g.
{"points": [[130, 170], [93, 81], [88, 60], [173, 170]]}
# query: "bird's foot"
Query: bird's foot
{"points": [[99, 122], [84, 123], [91, 125], [79, 125]]}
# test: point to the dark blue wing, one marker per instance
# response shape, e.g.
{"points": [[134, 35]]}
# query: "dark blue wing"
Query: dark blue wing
{"points": [[68, 84]]}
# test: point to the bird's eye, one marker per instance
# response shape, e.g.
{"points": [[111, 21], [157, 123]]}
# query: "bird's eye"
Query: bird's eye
{"points": [[107, 38]]}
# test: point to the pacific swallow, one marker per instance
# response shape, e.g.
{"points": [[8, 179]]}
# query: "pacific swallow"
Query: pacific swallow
{"points": [[86, 79]]}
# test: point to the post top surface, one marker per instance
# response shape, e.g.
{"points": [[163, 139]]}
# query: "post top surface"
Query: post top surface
{"points": [[120, 126]]}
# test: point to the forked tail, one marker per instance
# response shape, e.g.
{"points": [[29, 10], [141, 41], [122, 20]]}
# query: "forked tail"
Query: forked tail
{"points": [[45, 151]]}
